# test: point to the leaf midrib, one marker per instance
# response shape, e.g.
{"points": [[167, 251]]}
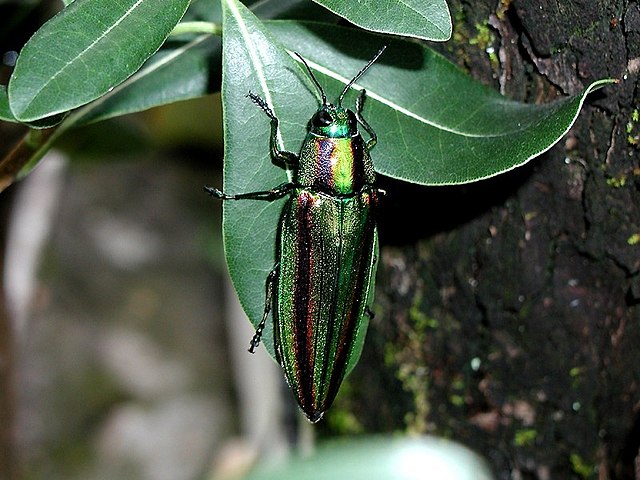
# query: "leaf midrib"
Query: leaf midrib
{"points": [[83, 52], [372, 94], [255, 60]]}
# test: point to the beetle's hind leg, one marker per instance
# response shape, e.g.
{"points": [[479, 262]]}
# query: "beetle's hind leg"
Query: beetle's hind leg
{"points": [[290, 159], [359, 104], [369, 313], [257, 337]]}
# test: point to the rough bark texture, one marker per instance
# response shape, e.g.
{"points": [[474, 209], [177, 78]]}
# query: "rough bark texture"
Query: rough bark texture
{"points": [[508, 312]]}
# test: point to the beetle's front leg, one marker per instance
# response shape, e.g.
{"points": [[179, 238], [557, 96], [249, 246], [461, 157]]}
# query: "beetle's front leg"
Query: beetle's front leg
{"points": [[359, 104], [257, 337], [267, 195], [290, 159]]}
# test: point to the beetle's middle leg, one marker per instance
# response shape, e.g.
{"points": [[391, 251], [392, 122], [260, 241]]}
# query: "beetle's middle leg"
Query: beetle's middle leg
{"points": [[268, 195], [369, 313], [290, 159], [271, 280]]}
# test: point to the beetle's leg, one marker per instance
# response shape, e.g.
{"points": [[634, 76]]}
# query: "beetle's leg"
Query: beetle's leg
{"points": [[268, 195], [359, 103], [290, 159], [271, 280], [368, 312]]}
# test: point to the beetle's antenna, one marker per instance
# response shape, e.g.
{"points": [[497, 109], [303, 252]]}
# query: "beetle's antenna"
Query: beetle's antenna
{"points": [[359, 74], [313, 77]]}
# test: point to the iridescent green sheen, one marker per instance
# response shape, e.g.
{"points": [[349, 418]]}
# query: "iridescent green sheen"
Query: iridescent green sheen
{"points": [[326, 255], [327, 237], [338, 164]]}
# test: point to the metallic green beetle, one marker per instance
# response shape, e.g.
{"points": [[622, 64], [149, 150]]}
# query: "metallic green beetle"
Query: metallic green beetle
{"points": [[327, 237]]}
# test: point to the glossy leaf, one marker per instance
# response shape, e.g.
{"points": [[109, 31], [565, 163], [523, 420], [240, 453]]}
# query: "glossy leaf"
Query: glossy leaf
{"points": [[380, 458], [435, 125], [173, 74], [291, 10], [85, 50], [5, 111], [251, 62], [205, 10], [425, 19]]}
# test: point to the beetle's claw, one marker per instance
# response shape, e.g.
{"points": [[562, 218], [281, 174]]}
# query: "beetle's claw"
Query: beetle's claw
{"points": [[255, 342], [214, 192], [261, 104]]}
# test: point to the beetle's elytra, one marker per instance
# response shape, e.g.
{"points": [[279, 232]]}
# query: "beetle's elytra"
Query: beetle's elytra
{"points": [[327, 235]]}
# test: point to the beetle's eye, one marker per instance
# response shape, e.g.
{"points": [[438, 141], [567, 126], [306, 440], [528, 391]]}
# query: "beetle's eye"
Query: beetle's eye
{"points": [[322, 119]]}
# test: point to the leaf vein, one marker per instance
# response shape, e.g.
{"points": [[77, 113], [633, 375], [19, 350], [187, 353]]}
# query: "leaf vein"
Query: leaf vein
{"points": [[90, 46], [255, 59]]}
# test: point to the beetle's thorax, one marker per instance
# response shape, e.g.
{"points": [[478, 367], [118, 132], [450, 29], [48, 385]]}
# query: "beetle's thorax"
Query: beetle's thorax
{"points": [[334, 157]]}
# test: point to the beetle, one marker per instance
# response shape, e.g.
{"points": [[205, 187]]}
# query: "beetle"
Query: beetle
{"points": [[326, 247]]}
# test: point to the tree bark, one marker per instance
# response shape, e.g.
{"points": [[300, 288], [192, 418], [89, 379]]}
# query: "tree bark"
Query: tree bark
{"points": [[508, 311]]}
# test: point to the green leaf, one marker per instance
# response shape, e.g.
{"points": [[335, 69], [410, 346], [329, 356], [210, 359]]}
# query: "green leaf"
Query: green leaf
{"points": [[380, 458], [187, 71], [85, 50], [205, 10], [425, 19], [290, 9], [7, 116], [435, 124], [5, 111]]}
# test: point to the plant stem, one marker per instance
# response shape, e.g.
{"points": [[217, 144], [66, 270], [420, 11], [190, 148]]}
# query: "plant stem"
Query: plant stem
{"points": [[31, 148], [197, 27]]}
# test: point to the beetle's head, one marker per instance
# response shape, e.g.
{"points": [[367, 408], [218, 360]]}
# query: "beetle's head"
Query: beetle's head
{"points": [[334, 122]]}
